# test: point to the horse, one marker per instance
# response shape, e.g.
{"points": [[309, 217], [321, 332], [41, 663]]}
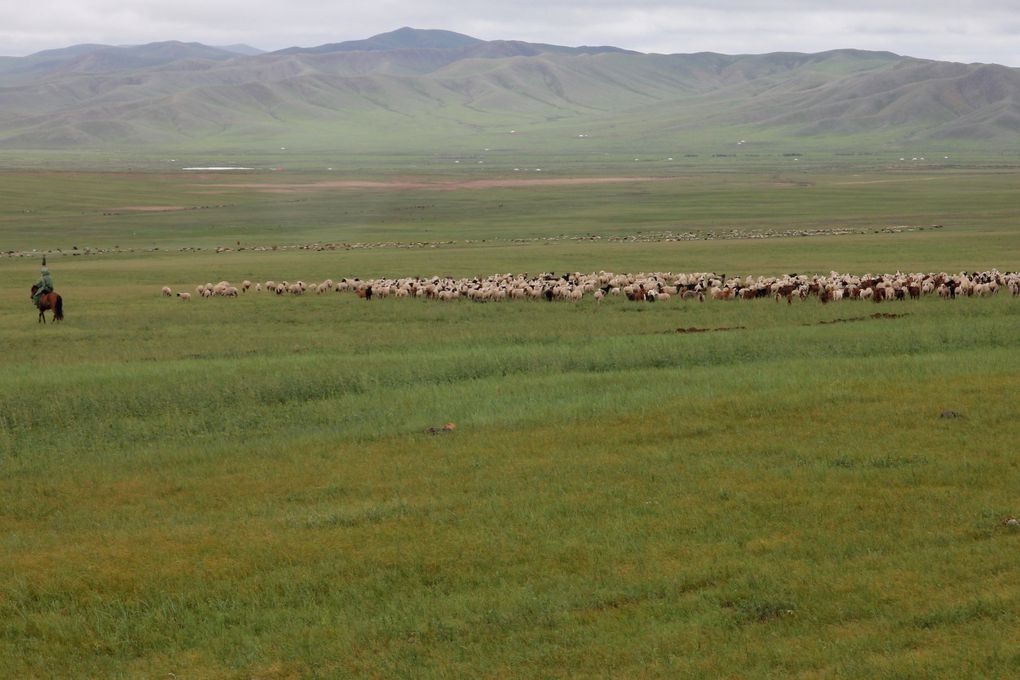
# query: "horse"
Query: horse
{"points": [[49, 301]]}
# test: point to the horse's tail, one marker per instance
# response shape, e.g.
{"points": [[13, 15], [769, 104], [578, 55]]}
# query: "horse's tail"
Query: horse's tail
{"points": [[58, 309]]}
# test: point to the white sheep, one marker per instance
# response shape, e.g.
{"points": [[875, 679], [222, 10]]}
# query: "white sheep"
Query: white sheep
{"points": [[184, 296], [167, 292]]}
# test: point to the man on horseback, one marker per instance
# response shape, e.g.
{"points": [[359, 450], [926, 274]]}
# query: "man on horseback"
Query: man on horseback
{"points": [[43, 285]]}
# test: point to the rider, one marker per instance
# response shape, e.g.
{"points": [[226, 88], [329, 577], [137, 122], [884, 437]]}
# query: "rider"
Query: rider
{"points": [[43, 285]]}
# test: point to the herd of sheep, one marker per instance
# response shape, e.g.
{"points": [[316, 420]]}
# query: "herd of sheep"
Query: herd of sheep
{"points": [[647, 287]]}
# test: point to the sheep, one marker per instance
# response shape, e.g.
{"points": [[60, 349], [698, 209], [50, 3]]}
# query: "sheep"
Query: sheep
{"points": [[167, 292], [184, 296], [245, 285], [654, 286]]}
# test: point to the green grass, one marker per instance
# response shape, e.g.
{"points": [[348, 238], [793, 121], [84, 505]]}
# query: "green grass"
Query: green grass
{"points": [[244, 488], [87, 210]]}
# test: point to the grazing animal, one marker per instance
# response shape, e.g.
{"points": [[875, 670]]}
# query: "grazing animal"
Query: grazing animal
{"points": [[653, 286], [692, 295], [167, 292]]}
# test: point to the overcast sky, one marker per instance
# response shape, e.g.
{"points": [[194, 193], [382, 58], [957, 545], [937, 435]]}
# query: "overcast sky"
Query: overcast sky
{"points": [[955, 30]]}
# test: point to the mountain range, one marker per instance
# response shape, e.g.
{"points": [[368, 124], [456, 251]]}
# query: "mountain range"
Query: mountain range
{"points": [[417, 89]]}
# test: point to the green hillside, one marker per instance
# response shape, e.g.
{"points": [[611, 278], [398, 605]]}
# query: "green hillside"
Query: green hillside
{"points": [[427, 90]]}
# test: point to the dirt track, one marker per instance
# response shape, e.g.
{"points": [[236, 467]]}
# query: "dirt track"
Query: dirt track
{"points": [[456, 185]]}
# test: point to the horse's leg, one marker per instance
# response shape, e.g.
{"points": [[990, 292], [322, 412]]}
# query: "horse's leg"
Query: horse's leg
{"points": [[42, 319]]}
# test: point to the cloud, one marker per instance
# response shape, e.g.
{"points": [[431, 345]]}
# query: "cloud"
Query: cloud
{"points": [[967, 30]]}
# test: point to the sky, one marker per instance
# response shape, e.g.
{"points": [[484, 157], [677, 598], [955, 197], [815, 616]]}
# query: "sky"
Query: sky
{"points": [[951, 30]]}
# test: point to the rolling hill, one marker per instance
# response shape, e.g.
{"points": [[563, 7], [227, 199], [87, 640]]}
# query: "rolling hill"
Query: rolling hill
{"points": [[413, 89]]}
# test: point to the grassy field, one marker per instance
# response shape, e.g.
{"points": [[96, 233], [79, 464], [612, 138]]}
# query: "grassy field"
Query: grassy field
{"points": [[244, 488]]}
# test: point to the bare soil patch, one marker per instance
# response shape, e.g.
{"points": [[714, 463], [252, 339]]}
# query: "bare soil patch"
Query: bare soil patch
{"points": [[876, 315], [150, 208], [695, 329], [890, 181]]}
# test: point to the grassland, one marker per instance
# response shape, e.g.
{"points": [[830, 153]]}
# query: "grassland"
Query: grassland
{"points": [[243, 488]]}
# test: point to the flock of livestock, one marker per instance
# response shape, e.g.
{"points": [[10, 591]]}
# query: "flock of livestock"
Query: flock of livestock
{"points": [[647, 287]]}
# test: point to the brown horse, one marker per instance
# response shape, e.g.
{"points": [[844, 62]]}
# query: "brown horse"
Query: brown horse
{"points": [[50, 301]]}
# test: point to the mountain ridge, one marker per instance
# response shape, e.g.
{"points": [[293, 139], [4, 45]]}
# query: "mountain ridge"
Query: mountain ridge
{"points": [[413, 87]]}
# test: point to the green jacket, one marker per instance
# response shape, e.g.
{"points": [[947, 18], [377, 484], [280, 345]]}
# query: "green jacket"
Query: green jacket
{"points": [[43, 285]]}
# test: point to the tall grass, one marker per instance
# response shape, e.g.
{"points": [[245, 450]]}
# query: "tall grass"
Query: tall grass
{"points": [[616, 496], [322, 373]]}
